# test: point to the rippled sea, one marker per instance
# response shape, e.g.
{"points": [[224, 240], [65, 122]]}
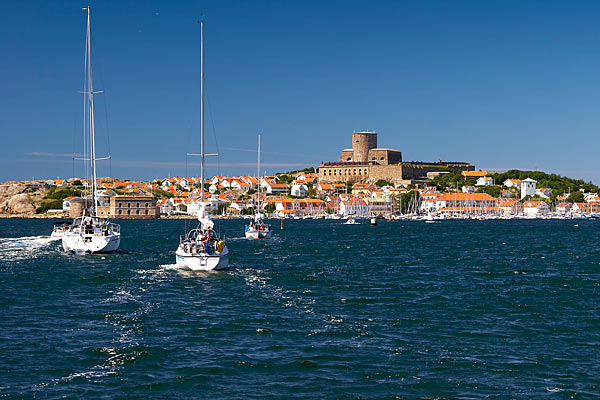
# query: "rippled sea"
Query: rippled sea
{"points": [[457, 309]]}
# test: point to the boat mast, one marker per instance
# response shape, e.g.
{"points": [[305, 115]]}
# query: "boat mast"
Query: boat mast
{"points": [[258, 178], [90, 94], [202, 108]]}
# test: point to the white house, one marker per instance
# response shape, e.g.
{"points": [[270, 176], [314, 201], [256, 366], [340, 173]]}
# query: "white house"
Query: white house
{"points": [[516, 183], [238, 184], [528, 187], [56, 182], [544, 192], [299, 190], [485, 181], [535, 208], [67, 203], [563, 208], [468, 189], [166, 206], [271, 188]]}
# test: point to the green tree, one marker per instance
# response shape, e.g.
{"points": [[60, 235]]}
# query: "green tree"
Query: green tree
{"points": [[220, 208], [492, 190], [575, 197], [407, 199], [270, 208], [383, 182]]}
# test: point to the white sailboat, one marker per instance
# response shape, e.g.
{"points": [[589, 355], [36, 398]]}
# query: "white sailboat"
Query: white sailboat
{"points": [[257, 228], [202, 249], [90, 233]]}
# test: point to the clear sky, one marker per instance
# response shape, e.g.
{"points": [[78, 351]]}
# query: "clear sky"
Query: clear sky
{"points": [[501, 84]]}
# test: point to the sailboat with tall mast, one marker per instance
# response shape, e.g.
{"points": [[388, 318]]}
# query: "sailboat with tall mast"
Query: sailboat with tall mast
{"points": [[90, 233], [257, 228], [202, 249]]}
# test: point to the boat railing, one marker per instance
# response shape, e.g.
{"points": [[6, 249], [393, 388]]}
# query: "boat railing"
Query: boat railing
{"points": [[115, 228]]}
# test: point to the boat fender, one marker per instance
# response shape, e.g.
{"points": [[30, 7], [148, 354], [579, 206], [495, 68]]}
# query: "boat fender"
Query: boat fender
{"points": [[219, 246]]}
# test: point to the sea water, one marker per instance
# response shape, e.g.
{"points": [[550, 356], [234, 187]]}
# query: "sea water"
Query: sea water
{"points": [[456, 309]]}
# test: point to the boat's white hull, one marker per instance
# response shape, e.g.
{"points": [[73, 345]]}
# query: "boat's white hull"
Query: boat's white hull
{"points": [[253, 234], [202, 261], [87, 244], [57, 235]]}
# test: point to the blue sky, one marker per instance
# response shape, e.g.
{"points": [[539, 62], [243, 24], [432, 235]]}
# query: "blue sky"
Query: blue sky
{"points": [[499, 84]]}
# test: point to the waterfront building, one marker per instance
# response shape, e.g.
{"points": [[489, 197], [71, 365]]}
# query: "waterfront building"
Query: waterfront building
{"points": [[510, 207], [535, 208], [564, 208], [130, 207]]}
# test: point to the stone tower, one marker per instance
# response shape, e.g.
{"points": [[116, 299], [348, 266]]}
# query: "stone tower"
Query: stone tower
{"points": [[362, 142]]}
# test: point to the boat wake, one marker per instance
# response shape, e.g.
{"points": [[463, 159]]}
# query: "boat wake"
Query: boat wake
{"points": [[20, 248]]}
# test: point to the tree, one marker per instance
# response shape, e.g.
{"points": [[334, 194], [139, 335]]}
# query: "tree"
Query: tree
{"points": [[576, 197], [407, 198], [383, 182], [270, 208], [493, 190], [220, 208]]}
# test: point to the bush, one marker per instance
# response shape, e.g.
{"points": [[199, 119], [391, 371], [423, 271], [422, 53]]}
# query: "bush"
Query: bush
{"points": [[49, 204], [383, 182], [61, 193]]}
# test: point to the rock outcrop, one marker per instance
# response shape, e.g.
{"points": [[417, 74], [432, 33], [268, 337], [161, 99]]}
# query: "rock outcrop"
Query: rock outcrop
{"points": [[18, 204]]}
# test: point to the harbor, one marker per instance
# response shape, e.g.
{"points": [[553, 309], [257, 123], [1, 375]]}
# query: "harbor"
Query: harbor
{"points": [[488, 307], [299, 200]]}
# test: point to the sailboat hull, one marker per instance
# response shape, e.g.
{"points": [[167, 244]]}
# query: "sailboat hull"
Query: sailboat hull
{"points": [[254, 234], [88, 244], [201, 261]]}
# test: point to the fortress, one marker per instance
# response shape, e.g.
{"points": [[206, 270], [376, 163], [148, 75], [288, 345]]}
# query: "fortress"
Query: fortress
{"points": [[365, 162]]}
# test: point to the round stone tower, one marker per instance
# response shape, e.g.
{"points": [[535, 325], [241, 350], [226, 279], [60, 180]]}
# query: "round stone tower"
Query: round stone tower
{"points": [[362, 142]]}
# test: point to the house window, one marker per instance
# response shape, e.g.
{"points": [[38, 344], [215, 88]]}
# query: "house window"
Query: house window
{"points": [[146, 212], [128, 205], [120, 211], [128, 212], [381, 158], [137, 211]]}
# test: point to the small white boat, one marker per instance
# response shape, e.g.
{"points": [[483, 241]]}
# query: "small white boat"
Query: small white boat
{"points": [[429, 219], [350, 221], [59, 229], [257, 228], [373, 221]]}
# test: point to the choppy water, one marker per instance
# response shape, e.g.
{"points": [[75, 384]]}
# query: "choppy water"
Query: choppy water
{"points": [[459, 309]]}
